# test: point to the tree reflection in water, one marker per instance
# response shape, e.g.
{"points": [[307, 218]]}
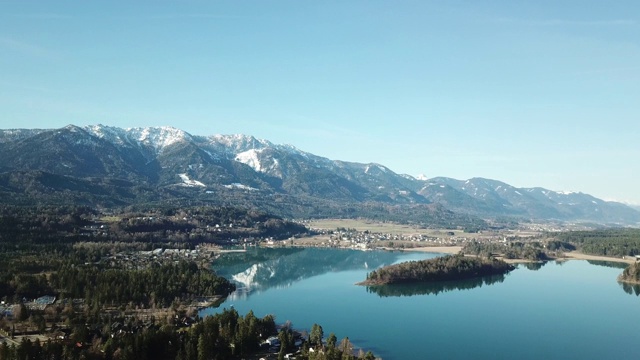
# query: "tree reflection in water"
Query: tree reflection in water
{"points": [[631, 289], [535, 266], [433, 288]]}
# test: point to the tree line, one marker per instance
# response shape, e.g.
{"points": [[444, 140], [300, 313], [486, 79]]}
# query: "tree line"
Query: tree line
{"points": [[616, 242], [532, 250], [69, 224], [226, 335], [156, 285], [74, 271]]}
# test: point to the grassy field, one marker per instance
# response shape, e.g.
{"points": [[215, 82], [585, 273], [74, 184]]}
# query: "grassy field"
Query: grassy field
{"points": [[378, 227]]}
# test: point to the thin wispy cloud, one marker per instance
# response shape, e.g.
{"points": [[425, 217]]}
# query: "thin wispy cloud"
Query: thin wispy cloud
{"points": [[30, 88], [194, 16], [626, 70], [567, 22], [26, 48], [41, 16]]}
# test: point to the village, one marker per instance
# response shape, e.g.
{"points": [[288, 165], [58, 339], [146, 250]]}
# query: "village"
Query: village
{"points": [[364, 235]]}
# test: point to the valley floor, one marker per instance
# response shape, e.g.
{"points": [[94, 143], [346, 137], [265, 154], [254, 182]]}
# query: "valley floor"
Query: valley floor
{"points": [[438, 249], [580, 256]]}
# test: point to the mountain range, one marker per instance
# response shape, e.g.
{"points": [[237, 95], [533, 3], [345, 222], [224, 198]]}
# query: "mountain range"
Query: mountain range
{"points": [[109, 166]]}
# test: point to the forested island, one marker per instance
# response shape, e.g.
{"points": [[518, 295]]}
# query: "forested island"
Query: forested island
{"points": [[446, 268], [433, 288]]}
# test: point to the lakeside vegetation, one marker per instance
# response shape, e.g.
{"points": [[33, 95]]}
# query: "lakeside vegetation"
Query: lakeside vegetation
{"points": [[631, 274], [446, 268], [532, 251], [127, 285], [226, 335], [619, 242], [616, 242]]}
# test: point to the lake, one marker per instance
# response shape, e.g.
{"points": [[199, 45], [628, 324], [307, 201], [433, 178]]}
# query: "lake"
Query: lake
{"points": [[569, 310]]}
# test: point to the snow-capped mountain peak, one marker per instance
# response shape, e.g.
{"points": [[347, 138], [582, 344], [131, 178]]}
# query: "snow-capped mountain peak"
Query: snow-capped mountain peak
{"points": [[158, 137], [240, 143], [112, 134]]}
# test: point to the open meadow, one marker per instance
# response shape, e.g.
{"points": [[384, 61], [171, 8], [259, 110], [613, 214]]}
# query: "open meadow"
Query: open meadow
{"points": [[380, 227]]}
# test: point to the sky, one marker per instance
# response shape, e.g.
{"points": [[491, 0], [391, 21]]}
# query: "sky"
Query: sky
{"points": [[532, 93]]}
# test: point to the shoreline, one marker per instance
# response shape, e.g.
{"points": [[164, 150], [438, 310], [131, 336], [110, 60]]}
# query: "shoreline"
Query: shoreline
{"points": [[576, 255], [572, 255], [629, 282], [452, 250], [455, 249]]}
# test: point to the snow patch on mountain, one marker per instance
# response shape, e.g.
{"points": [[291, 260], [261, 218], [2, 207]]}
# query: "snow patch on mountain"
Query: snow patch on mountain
{"points": [[369, 167], [264, 163], [186, 181], [251, 158], [240, 186]]}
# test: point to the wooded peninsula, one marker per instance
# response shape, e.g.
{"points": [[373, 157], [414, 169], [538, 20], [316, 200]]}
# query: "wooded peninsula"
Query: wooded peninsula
{"points": [[446, 268], [631, 274]]}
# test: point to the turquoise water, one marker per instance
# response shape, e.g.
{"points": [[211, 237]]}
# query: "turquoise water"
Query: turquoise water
{"points": [[575, 310]]}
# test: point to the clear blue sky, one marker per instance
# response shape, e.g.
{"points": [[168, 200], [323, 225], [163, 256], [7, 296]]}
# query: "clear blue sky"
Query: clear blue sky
{"points": [[533, 93]]}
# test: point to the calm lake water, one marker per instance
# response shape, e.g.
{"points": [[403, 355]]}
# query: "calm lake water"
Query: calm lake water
{"points": [[573, 310]]}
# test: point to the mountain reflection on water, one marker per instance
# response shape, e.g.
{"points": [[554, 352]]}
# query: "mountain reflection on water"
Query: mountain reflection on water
{"points": [[259, 269], [433, 288]]}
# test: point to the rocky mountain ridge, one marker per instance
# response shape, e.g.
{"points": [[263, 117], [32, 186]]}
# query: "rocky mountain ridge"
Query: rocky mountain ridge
{"points": [[164, 163]]}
